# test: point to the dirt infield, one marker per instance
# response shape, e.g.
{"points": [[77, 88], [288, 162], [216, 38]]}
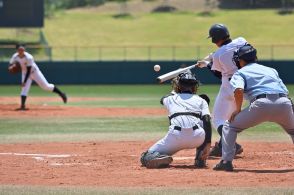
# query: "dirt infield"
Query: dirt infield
{"points": [[117, 164], [40, 108]]}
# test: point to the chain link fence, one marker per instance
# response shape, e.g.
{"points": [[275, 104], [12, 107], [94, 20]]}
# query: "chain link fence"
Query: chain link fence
{"points": [[142, 53]]}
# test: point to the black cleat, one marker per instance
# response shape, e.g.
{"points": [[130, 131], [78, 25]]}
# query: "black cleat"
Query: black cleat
{"points": [[64, 98], [200, 163], [239, 149], [217, 150], [221, 166], [22, 108]]}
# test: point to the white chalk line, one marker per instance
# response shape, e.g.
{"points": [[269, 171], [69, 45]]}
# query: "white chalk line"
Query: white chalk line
{"points": [[42, 157], [39, 155], [70, 164]]}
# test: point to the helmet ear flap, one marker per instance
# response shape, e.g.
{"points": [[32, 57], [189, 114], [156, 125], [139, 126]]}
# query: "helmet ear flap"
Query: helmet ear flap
{"points": [[236, 59]]}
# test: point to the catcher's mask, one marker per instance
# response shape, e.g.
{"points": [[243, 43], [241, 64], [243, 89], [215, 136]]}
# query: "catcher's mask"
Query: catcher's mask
{"points": [[187, 82], [246, 53]]}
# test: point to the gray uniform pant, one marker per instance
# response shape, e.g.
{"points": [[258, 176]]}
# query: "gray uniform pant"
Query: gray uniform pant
{"points": [[272, 109]]}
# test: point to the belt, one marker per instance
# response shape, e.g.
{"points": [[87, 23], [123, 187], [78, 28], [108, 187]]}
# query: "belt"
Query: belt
{"points": [[180, 128], [267, 95]]}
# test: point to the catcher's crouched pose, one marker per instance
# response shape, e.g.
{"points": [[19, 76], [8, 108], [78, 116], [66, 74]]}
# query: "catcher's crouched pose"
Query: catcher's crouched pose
{"points": [[189, 128]]}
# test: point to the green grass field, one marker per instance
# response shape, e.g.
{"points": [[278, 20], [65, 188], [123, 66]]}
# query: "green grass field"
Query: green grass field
{"points": [[90, 35], [83, 128], [57, 129]]}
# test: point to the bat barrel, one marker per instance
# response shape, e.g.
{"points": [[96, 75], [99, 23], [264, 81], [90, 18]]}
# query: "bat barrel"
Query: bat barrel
{"points": [[173, 74]]}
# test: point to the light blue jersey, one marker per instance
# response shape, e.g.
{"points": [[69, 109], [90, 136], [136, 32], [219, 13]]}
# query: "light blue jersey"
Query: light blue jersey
{"points": [[257, 79]]}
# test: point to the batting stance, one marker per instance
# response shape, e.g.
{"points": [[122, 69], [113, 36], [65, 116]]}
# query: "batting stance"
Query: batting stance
{"points": [[221, 64], [30, 72], [268, 98], [189, 126]]}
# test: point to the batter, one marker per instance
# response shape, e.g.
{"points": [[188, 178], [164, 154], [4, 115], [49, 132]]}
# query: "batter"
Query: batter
{"points": [[222, 65]]}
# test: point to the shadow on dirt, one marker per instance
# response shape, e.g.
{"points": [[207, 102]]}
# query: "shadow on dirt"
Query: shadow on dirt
{"points": [[264, 171]]}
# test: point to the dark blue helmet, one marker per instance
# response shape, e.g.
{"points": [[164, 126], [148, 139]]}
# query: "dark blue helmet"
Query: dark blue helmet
{"points": [[246, 53], [218, 32], [187, 82]]}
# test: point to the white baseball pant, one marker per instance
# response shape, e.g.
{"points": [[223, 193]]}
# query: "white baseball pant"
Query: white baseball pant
{"points": [[175, 140], [224, 104], [37, 76]]}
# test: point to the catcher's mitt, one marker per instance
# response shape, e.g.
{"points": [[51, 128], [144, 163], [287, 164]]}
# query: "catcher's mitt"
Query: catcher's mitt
{"points": [[175, 85], [14, 68]]}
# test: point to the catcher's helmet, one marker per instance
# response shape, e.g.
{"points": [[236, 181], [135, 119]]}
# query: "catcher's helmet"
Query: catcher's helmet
{"points": [[246, 53], [187, 82], [218, 32]]}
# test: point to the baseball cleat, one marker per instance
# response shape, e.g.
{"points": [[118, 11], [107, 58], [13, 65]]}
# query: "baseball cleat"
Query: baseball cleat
{"points": [[64, 98], [21, 109], [239, 149], [217, 150], [221, 166], [200, 163], [160, 162]]}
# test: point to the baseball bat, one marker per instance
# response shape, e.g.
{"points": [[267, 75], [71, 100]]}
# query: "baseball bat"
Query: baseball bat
{"points": [[174, 73]]}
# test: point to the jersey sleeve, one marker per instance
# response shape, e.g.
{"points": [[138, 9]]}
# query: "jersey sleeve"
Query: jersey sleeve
{"points": [[238, 81], [30, 61], [216, 64]]}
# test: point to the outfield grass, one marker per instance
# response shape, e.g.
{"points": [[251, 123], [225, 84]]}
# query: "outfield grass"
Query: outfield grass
{"points": [[85, 31]]}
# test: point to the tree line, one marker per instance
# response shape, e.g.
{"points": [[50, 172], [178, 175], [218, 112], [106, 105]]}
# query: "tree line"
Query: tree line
{"points": [[53, 5], [247, 4]]}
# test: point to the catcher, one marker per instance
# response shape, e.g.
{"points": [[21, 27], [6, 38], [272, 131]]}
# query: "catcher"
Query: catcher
{"points": [[24, 62], [189, 128]]}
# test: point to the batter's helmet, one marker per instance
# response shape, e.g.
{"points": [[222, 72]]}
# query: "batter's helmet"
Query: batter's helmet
{"points": [[246, 53], [218, 32], [187, 82]]}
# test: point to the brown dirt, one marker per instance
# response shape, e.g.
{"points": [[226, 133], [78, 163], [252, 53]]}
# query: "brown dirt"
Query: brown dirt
{"points": [[38, 107], [110, 163], [117, 164]]}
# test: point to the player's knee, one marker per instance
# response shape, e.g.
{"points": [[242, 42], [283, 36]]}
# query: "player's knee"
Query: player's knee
{"points": [[231, 127], [153, 160], [48, 87]]}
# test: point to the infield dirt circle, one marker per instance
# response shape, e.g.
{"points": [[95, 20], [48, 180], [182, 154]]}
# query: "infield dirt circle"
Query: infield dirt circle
{"points": [[116, 163]]}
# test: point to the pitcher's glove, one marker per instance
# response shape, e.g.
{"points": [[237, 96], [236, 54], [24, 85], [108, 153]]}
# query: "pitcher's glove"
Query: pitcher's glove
{"points": [[14, 68]]}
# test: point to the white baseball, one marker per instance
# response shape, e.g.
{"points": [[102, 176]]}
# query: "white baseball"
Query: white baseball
{"points": [[156, 68]]}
